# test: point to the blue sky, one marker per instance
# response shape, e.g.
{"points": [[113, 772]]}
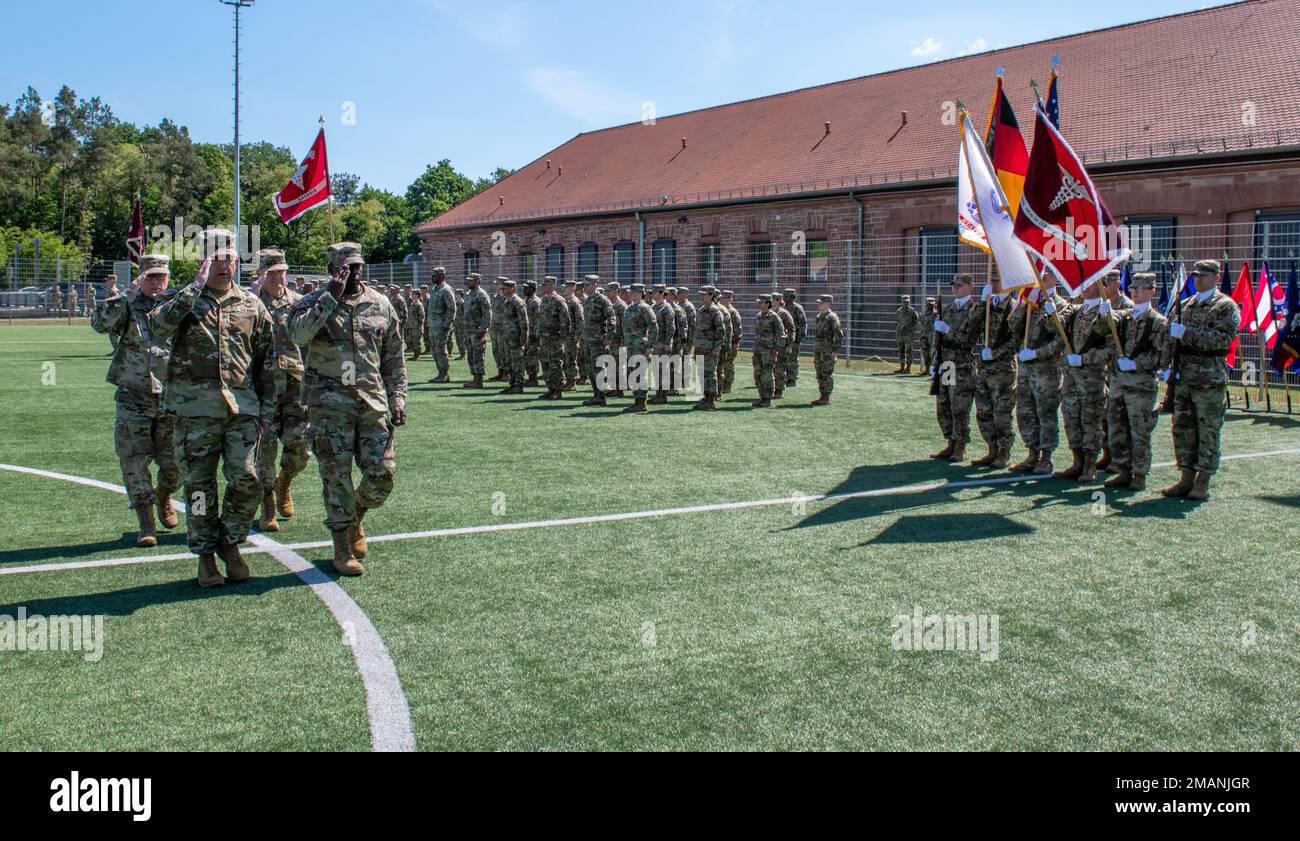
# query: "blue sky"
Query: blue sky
{"points": [[487, 84]]}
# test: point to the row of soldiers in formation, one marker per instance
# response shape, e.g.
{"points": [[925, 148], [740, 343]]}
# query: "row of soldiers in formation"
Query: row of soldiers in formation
{"points": [[1099, 361], [561, 338]]}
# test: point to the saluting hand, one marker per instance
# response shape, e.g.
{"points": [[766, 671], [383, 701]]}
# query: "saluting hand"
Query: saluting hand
{"points": [[337, 283]]}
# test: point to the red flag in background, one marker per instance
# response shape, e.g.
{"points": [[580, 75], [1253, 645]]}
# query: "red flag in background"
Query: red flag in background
{"points": [[135, 234], [1241, 297], [1262, 321], [309, 186], [1006, 148]]}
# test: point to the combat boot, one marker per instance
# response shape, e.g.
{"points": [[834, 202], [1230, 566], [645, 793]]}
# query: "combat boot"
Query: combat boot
{"points": [[344, 563], [1200, 486], [477, 382], [1103, 463], [638, 404], [357, 535], [946, 452], [763, 403], [596, 399], [1089, 471], [284, 496], [209, 575], [660, 397], [1075, 468], [706, 404], [1183, 486], [236, 569], [166, 512], [616, 393], [1044, 466], [570, 385], [986, 459], [1000, 460], [1122, 479], [531, 382], [823, 399], [1029, 463], [1139, 482], [958, 451], [148, 535], [268, 521], [549, 395], [517, 388], [778, 394], [443, 377]]}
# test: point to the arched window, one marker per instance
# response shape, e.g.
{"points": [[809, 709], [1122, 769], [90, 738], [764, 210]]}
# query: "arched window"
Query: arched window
{"points": [[588, 259], [471, 262], [555, 261]]}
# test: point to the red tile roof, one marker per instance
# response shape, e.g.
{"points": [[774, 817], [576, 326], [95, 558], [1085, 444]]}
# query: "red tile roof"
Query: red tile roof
{"points": [[1171, 87]]}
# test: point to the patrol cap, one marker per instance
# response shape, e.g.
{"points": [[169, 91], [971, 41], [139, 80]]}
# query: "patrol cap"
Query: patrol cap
{"points": [[548, 280], [506, 282], [763, 299], [270, 260], [569, 283], [659, 287], [789, 293], [905, 298], [591, 278], [727, 293], [929, 299], [1143, 280], [612, 286], [1207, 267], [530, 284], [1113, 276], [154, 263], [671, 290], [682, 290], [473, 276], [827, 298], [709, 290], [346, 254], [439, 271], [637, 287], [219, 244], [962, 277]]}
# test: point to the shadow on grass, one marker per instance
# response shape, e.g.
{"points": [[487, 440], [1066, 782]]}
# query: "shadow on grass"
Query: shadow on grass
{"points": [[948, 528], [125, 543], [1289, 501], [1261, 419], [129, 600]]}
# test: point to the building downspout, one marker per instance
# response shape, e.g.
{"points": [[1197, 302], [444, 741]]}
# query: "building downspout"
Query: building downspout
{"points": [[640, 248]]}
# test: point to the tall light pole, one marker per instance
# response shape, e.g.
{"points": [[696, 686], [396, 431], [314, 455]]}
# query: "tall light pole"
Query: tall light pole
{"points": [[237, 5]]}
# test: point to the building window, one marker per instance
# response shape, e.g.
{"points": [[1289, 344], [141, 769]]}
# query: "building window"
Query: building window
{"points": [[1277, 238], [710, 263], [819, 260], [555, 261], [625, 262], [937, 252], [588, 259], [760, 263], [528, 267], [471, 262], [663, 262]]}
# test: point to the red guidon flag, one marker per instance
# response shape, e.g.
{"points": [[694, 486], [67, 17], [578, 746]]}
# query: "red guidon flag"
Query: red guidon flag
{"points": [[309, 186], [135, 234], [1063, 220]]}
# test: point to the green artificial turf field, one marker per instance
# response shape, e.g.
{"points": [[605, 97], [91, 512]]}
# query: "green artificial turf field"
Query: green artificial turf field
{"points": [[1125, 621]]}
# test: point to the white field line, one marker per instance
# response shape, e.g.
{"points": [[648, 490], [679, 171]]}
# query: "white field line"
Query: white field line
{"points": [[897, 490], [387, 709]]}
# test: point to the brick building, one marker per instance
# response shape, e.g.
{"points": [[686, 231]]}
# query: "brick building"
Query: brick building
{"points": [[1189, 124]]}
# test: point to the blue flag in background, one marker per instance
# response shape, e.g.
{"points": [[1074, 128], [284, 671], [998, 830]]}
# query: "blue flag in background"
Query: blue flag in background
{"points": [[1053, 104], [1286, 353]]}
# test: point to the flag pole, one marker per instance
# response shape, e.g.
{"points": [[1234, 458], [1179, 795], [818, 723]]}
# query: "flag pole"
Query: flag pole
{"points": [[330, 206]]}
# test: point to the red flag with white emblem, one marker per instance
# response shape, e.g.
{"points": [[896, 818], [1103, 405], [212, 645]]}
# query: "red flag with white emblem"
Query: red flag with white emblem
{"points": [[309, 186], [135, 235]]}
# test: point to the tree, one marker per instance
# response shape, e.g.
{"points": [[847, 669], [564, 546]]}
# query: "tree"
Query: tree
{"points": [[438, 189]]}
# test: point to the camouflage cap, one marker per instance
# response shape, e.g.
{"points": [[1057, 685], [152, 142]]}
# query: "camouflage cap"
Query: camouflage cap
{"points": [[591, 278], [907, 297], [659, 287], [671, 290], [763, 299], [219, 244], [501, 280], [530, 284], [637, 287], [270, 260], [682, 290], [727, 293], [474, 276], [548, 280], [1143, 280], [439, 271], [506, 282], [1207, 267], [154, 264], [346, 254], [789, 293], [612, 286], [570, 282], [827, 298], [709, 290], [929, 299], [1113, 276], [962, 277]]}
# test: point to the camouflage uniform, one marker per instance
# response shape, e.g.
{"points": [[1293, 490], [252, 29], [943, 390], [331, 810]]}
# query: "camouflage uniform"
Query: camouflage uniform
{"points": [[827, 341], [571, 369], [995, 381], [478, 323], [692, 316], [581, 298], [927, 336], [787, 347], [355, 377], [1131, 406], [1200, 394], [597, 333], [906, 321], [221, 382], [532, 353], [142, 432], [441, 319], [1038, 380], [957, 383], [459, 322], [711, 325], [665, 339], [552, 330], [415, 324], [1083, 389], [638, 330], [499, 354], [289, 421], [402, 309], [514, 334], [737, 332], [769, 337], [800, 318]]}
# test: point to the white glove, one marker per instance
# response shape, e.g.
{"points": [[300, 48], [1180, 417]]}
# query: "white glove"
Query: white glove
{"points": [[1049, 306], [1126, 364], [1164, 375], [1074, 359], [986, 292], [1028, 355], [1177, 330], [1106, 308], [941, 327], [987, 354]]}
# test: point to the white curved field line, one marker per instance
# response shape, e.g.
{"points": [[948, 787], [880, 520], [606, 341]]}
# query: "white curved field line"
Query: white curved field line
{"points": [[386, 706]]}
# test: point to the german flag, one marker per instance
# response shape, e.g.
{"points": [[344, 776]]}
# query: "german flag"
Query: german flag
{"points": [[1006, 148]]}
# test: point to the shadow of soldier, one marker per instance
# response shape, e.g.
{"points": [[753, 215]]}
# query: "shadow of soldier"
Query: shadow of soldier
{"points": [[129, 600], [37, 554], [1290, 501], [1261, 419], [947, 528]]}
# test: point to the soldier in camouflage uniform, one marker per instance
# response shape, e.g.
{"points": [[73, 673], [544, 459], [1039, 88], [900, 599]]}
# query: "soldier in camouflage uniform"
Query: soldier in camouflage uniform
{"points": [[1038, 379], [769, 337], [597, 334], [580, 295], [459, 323], [552, 332], [289, 423], [959, 327], [399, 306], [142, 432], [478, 323], [906, 322], [221, 385], [665, 341], [800, 318], [441, 319], [1131, 406], [995, 379], [424, 321], [828, 338], [355, 392], [1083, 387], [687, 338], [571, 370], [725, 349], [532, 352], [927, 334], [414, 321], [639, 330], [711, 325], [787, 348], [616, 301], [1204, 331], [514, 334], [727, 367], [500, 355]]}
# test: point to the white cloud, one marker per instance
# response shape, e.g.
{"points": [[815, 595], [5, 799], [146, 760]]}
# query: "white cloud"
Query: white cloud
{"points": [[979, 45], [926, 48], [578, 95], [503, 27]]}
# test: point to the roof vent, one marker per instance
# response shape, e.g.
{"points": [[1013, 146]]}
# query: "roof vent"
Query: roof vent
{"points": [[683, 142], [502, 200], [904, 118], [828, 126], [548, 163]]}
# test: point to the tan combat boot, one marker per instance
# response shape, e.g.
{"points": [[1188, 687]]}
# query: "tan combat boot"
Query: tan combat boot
{"points": [[958, 451], [1029, 463], [1200, 486], [661, 396], [1001, 459], [986, 459], [344, 562], [946, 452], [778, 394], [1122, 479], [1075, 468], [148, 535], [1103, 463], [267, 521], [570, 385], [284, 495], [706, 404], [1183, 486], [1138, 483], [1089, 471], [823, 399], [1044, 466], [236, 570], [531, 382], [357, 535], [166, 512], [762, 403], [209, 575]]}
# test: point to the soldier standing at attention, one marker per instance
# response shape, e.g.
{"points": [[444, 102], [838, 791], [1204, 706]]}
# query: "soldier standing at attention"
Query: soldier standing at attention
{"points": [[441, 319], [735, 334], [414, 321], [959, 327], [616, 340], [995, 379], [531, 353], [639, 328], [399, 305], [571, 371], [597, 334], [1131, 405], [787, 346], [424, 320], [828, 339], [664, 341], [514, 334], [459, 323], [478, 322], [221, 386], [1083, 389], [800, 317], [1038, 380], [1205, 331], [927, 334], [904, 333], [289, 422], [580, 295], [724, 348], [499, 354], [769, 336], [687, 338], [711, 325], [681, 324], [552, 330], [355, 384], [142, 432]]}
